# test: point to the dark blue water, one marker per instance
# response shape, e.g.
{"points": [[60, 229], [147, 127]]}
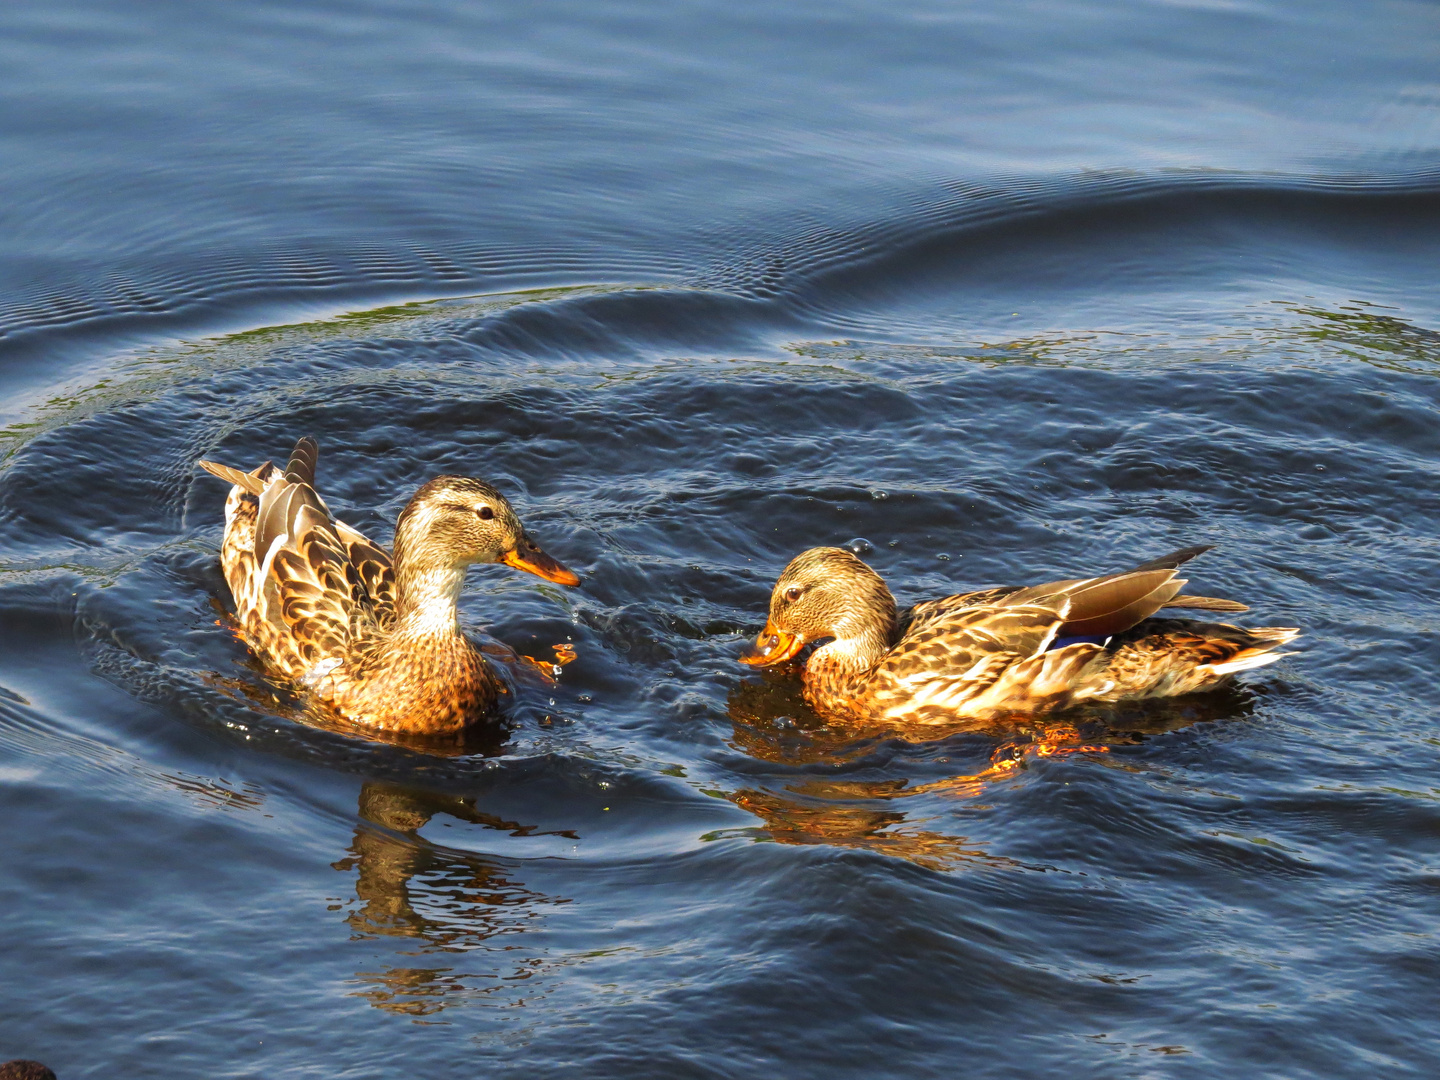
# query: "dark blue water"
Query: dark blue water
{"points": [[1012, 291]]}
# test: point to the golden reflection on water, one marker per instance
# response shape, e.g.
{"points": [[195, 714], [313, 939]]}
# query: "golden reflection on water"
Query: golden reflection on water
{"points": [[801, 821], [772, 722], [446, 901]]}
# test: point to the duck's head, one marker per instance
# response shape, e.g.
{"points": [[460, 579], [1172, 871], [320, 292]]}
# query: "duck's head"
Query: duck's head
{"points": [[454, 521], [824, 593]]}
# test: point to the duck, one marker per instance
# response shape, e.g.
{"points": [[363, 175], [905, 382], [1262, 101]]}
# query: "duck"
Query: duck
{"points": [[371, 636], [1007, 651]]}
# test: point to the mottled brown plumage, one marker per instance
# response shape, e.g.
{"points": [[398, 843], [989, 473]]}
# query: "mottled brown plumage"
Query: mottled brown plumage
{"points": [[990, 653], [25, 1070], [375, 639]]}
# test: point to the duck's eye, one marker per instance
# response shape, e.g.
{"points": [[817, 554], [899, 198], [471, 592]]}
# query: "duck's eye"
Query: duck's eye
{"points": [[793, 593], [485, 513]]}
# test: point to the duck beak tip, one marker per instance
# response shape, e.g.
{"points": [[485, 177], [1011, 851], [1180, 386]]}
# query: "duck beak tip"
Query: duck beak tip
{"points": [[772, 647], [541, 565]]}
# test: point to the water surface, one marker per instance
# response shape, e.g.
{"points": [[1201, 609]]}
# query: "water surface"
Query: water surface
{"points": [[1008, 292]]}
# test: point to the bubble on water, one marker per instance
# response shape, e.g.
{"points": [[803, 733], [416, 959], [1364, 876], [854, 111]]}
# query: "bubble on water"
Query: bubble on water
{"points": [[858, 546], [943, 557], [877, 494], [894, 543]]}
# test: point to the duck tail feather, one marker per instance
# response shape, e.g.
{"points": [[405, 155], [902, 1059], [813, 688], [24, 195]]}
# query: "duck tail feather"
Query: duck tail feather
{"points": [[1261, 643], [1273, 636], [250, 481], [1174, 560], [303, 459], [1206, 603], [1247, 660]]}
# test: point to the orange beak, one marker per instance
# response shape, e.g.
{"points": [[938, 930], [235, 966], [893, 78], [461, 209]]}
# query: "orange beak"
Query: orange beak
{"points": [[772, 647], [538, 563]]}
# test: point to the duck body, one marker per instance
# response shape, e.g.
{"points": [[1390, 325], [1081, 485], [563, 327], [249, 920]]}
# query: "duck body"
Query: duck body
{"points": [[372, 637], [1009, 650]]}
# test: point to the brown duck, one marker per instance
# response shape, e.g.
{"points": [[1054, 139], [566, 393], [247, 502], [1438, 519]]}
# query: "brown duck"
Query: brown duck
{"points": [[1009, 650], [376, 639]]}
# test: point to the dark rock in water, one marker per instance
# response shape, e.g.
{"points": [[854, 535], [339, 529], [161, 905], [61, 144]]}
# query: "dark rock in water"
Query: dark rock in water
{"points": [[25, 1070]]}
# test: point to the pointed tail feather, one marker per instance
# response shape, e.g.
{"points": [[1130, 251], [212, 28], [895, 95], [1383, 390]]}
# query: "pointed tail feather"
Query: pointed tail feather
{"points": [[1273, 635], [1206, 603], [250, 481], [1174, 560]]}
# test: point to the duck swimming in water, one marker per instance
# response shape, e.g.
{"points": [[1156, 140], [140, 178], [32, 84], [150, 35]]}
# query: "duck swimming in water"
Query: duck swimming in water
{"points": [[375, 638], [1009, 650]]}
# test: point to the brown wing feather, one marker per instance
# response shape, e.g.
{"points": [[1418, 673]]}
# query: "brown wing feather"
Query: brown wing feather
{"points": [[1046, 680], [306, 587], [947, 648], [1111, 606], [1104, 605], [374, 571], [955, 659], [302, 579], [1099, 606], [314, 593], [928, 610], [316, 597]]}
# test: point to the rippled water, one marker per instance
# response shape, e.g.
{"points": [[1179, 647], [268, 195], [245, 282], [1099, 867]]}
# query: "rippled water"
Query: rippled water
{"points": [[1007, 291]]}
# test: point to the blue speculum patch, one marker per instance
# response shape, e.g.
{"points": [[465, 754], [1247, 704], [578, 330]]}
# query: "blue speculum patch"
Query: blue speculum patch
{"points": [[1079, 639]]}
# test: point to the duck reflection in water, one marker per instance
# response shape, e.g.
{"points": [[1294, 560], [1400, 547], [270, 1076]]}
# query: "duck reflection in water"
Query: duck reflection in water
{"points": [[448, 901], [772, 722]]}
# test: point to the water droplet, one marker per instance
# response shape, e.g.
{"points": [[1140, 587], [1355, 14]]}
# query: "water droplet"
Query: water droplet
{"points": [[943, 557], [877, 494], [1319, 468], [858, 546], [894, 543], [585, 699]]}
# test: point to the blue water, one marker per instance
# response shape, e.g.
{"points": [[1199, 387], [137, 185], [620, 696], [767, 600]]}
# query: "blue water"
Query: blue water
{"points": [[1009, 291]]}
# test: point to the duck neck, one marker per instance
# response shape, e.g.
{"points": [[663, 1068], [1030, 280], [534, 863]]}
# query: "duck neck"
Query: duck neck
{"points": [[863, 637], [854, 655], [426, 599]]}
